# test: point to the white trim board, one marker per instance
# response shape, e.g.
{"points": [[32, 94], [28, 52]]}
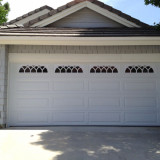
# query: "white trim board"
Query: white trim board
{"points": [[80, 41], [82, 58], [80, 6]]}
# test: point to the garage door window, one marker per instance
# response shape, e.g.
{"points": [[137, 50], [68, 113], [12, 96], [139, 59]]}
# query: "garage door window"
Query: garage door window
{"points": [[139, 69], [103, 69], [33, 69], [68, 69]]}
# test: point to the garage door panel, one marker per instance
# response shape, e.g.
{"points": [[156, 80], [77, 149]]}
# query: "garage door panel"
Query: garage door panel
{"points": [[158, 86], [32, 103], [34, 116], [66, 117], [139, 86], [141, 103], [69, 101], [104, 85], [105, 117], [105, 102], [140, 94], [68, 85], [141, 117], [32, 86], [32, 76], [28, 100], [34, 95]]}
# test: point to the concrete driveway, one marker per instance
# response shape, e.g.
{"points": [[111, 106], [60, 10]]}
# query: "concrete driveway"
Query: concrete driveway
{"points": [[80, 143]]}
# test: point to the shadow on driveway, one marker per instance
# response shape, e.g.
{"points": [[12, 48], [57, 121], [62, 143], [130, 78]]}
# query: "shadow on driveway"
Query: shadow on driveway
{"points": [[102, 143]]}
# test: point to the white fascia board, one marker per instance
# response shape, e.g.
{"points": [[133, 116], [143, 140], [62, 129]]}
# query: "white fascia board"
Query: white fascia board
{"points": [[79, 41], [82, 5]]}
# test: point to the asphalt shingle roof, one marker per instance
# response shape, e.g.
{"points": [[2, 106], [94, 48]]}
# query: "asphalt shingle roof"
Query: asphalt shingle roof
{"points": [[78, 32], [26, 30]]}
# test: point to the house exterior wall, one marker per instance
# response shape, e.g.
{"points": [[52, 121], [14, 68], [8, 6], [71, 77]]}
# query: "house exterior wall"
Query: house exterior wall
{"points": [[3, 83], [86, 19], [84, 49]]}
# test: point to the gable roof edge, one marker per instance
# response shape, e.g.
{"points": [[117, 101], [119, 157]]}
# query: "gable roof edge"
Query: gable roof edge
{"points": [[111, 15], [29, 14], [95, 2]]}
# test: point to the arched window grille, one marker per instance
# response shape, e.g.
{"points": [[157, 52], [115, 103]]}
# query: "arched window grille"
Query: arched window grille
{"points": [[139, 69], [68, 69], [104, 69], [33, 69]]}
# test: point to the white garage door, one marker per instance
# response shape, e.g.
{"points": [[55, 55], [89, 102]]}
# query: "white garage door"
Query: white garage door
{"points": [[84, 94]]}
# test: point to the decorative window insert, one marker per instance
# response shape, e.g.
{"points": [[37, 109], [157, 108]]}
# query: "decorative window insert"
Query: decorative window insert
{"points": [[33, 69], [68, 69], [139, 69], [103, 69]]}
